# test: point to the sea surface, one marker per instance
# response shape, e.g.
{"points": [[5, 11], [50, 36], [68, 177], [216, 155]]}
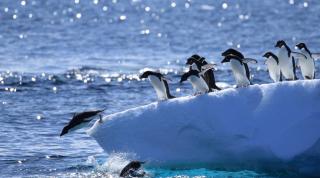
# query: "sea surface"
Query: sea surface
{"points": [[58, 57]]}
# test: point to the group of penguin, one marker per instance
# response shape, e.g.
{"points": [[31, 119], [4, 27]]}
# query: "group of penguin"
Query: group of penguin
{"points": [[281, 67], [201, 76]]}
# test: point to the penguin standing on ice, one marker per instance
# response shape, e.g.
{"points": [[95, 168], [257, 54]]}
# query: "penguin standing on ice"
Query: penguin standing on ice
{"points": [[244, 60], [79, 120], [198, 82], [287, 60], [307, 64], [196, 63], [159, 83], [238, 69], [272, 63]]}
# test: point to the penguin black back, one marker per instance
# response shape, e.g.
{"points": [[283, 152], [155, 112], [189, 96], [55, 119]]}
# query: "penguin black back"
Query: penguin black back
{"points": [[132, 166], [233, 52], [147, 73]]}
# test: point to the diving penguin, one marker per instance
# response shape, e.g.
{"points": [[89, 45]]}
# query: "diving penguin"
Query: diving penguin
{"points": [[79, 120]]}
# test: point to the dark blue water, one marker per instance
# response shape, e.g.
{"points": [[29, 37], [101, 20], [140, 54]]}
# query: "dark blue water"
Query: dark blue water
{"points": [[58, 57]]}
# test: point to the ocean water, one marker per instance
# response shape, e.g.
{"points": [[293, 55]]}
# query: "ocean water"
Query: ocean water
{"points": [[58, 57]]}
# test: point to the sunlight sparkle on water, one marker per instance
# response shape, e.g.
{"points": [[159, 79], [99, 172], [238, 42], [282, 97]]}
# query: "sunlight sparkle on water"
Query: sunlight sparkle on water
{"points": [[224, 5], [122, 17], [173, 4]]}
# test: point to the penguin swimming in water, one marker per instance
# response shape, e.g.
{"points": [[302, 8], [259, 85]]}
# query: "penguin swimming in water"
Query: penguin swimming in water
{"points": [[159, 83], [196, 63], [80, 120], [197, 81], [131, 169], [272, 63], [238, 69], [244, 60], [287, 60], [307, 64]]}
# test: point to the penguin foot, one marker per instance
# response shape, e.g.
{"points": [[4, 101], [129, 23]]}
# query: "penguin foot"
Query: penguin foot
{"points": [[197, 94]]}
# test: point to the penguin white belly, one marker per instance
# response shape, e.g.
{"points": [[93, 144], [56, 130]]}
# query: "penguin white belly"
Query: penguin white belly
{"points": [[239, 73], [274, 69], [158, 86], [307, 66], [285, 64], [199, 84]]}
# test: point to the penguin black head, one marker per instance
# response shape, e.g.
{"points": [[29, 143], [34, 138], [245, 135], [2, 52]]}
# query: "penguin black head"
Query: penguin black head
{"points": [[268, 54], [280, 43], [301, 46], [192, 59], [233, 52], [229, 57], [145, 74]]}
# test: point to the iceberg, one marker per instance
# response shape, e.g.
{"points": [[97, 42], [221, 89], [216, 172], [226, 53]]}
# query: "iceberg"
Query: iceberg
{"points": [[267, 126]]}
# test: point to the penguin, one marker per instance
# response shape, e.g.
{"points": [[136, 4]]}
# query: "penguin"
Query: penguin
{"points": [[197, 81], [287, 60], [238, 69], [234, 52], [272, 63], [159, 83], [307, 64], [131, 169], [79, 120], [196, 62]]}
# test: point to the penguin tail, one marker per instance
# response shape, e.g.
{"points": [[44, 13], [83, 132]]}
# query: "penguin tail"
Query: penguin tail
{"points": [[171, 97]]}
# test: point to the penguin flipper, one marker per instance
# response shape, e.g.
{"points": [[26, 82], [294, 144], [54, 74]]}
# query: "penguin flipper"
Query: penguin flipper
{"points": [[249, 60], [315, 55], [169, 96], [298, 55]]}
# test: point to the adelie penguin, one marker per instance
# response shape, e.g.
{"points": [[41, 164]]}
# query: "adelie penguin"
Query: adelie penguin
{"points": [[272, 63], [287, 60], [79, 120], [159, 83], [239, 66], [307, 64], [244, 60], [132, 170], [196, 79], [196, 63]]}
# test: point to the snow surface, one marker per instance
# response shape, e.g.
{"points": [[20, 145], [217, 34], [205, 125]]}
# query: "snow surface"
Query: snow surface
{"points": [[263, 126]]}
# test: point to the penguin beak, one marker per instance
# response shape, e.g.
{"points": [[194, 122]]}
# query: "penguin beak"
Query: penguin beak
{"points": [[265, 55], [64, 131], [224, 60]]}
